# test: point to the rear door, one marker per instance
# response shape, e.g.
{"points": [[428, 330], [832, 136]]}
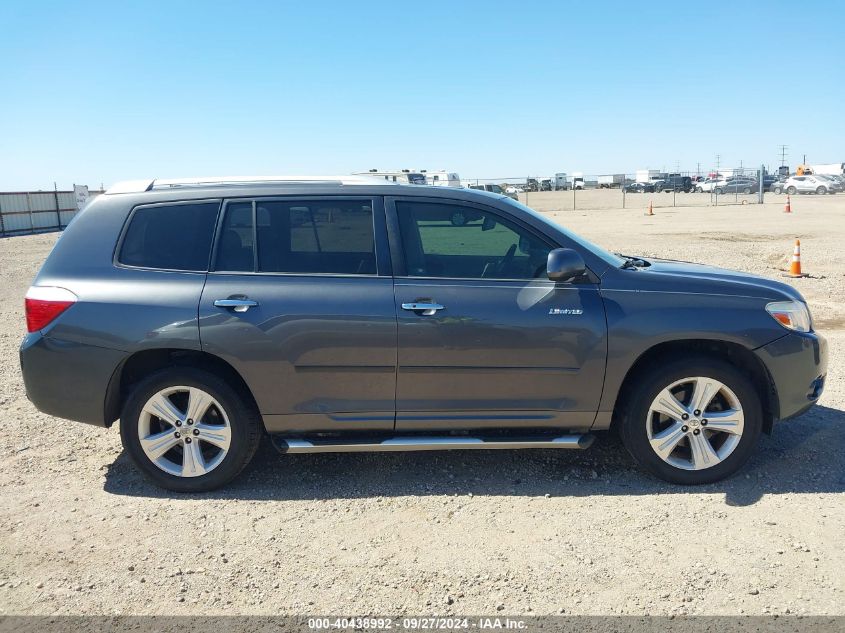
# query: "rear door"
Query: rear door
{"points": [[300, 302], [485, 339]]}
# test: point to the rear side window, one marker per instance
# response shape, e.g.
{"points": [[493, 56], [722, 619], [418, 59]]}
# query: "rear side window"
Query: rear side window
{"points": [[321, 236], [170, 236]]}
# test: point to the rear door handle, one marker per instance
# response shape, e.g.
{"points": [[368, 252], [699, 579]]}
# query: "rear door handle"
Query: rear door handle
{"points": [[238, 305], [427, 308]]}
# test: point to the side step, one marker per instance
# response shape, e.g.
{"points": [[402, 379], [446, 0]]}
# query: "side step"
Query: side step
{"points": [[419, 443]]}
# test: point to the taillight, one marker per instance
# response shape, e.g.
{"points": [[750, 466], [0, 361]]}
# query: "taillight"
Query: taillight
{"points": [[44, 304]]}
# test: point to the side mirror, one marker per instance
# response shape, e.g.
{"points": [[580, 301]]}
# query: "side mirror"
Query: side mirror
{"points": [[565, 264]]}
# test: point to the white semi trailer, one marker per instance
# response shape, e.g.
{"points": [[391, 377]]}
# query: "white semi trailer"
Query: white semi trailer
{"points": [[830, 169]]}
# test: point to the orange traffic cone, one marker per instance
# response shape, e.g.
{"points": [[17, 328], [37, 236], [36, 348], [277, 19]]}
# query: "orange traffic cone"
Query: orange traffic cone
{"points": [[788, 207], [795, 266], [650, 208]]}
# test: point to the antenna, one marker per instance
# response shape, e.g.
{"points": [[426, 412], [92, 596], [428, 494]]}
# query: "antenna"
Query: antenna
{"points": [[783, 154]]}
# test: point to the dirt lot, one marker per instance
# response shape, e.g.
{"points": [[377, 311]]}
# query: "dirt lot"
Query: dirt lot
{"points": [[476, 532]]}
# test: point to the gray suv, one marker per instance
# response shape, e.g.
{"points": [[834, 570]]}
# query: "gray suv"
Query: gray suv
{"points": [[355, 315]]}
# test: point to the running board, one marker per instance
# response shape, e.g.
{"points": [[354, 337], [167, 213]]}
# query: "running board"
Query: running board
{"points": [[418, 443]]}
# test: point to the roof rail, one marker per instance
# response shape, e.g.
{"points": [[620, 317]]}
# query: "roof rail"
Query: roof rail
{"points": [[140, 186]]}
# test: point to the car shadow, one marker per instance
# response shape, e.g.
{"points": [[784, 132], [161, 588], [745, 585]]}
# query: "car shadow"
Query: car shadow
{"points": [[804, 455]]}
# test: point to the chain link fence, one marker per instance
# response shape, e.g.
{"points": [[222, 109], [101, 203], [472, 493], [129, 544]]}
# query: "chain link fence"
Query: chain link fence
{"points": [[637, 190]]}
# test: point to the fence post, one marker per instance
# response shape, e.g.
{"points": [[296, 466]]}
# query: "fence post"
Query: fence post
{"points": [[760, 185], [29, 208], [2, 226], [58, 212]]}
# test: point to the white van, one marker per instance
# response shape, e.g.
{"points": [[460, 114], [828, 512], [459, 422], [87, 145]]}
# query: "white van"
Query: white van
{"points": [[442, 178]]}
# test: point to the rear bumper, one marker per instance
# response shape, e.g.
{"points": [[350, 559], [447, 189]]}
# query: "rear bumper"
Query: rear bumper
{"points": [[68, 380], [797, 364]]}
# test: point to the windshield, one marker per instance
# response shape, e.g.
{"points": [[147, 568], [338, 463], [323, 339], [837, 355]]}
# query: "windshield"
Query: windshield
{"points": [[610, 258], [495, 189]]}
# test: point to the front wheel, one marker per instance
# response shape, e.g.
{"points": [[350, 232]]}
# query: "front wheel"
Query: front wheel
{"points": [[187, 430], [747, 190], [821, 191], [692, 421], [717, 191]]}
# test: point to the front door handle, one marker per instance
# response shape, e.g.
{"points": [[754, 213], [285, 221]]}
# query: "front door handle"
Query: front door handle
{"points": [[425, 308], [238, 305]]}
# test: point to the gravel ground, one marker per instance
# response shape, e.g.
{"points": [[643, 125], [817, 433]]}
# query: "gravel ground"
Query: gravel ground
{"points": [[531, 532]]}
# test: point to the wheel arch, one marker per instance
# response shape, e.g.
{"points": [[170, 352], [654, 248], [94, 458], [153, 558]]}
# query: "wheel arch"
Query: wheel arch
{"points": [[734, 353], [141, 364]]}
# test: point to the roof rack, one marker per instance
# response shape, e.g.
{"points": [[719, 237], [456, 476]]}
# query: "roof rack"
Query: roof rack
{"points": [[140, 186]]}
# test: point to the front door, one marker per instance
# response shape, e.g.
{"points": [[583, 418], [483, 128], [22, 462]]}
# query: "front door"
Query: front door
{"points": [[485, 339], [300, 303]]}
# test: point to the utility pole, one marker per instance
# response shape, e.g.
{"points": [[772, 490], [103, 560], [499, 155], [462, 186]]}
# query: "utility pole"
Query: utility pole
{"points": [[783, 149]]}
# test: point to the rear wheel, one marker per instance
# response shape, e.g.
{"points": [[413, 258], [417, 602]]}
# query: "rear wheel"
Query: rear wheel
{"points": [[692, 421], [747, 190], [791, 190], [187, 430], [718, 191], [777, 190]]}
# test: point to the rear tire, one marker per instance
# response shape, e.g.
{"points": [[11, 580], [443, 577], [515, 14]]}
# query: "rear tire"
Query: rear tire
{"points": [[226, 421], [747, 190], [791, 191], [639, 420]]}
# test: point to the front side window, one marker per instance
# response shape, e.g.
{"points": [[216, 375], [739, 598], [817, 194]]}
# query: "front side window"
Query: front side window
{"points": [[456, 241], [323, 236], [170, 236]]}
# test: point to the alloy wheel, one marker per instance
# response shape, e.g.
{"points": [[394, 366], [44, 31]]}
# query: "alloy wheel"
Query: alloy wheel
{"points": [[695, 423], [184, 431]]}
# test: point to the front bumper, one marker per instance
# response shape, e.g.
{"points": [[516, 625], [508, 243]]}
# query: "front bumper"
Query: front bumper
{"points": [[797, 364], [68, 380]]}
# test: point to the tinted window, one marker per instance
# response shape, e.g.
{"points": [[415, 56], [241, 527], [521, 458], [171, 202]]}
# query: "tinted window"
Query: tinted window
{"points": [[235, 247], [326, 236], [444, 240], [172, 236]]}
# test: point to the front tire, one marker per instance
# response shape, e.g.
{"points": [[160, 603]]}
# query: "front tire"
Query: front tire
{"points": [[188, 430], [702, 447], [821, 191]]}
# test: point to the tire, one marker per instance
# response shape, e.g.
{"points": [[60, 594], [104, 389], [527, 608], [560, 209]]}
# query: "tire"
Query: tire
{"points": [[777, 190], [718, 191], [821, 191], [791, 190], [747, 190], [458, 218], [699, 190], [242, 420], [636, 421]]}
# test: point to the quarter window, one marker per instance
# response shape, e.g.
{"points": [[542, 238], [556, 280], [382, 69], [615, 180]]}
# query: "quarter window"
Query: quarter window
{"points": [[326, 236], [170, 236], [456, 241]]}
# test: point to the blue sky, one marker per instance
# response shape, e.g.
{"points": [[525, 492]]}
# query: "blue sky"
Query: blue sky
{"points": [[100, 92]]}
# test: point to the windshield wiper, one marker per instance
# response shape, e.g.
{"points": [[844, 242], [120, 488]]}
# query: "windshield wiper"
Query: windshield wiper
{"points": [[632, 262]]}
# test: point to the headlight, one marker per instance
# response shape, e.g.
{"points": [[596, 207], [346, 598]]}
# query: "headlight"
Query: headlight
{"points": [[793, 315]]}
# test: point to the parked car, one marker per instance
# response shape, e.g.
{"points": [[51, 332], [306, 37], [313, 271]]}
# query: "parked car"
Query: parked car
{"points": [[495, 189], [343, 315], [674, 183], [708, 184], [805, 184], [546, 185], [837, 182], [514, 190], [769, 181], [736, 185], [639, 187]]}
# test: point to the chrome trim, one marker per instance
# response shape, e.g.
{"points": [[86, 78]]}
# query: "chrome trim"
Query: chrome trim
{"points": [[426, 308], [290, 445], [239, 305]]}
